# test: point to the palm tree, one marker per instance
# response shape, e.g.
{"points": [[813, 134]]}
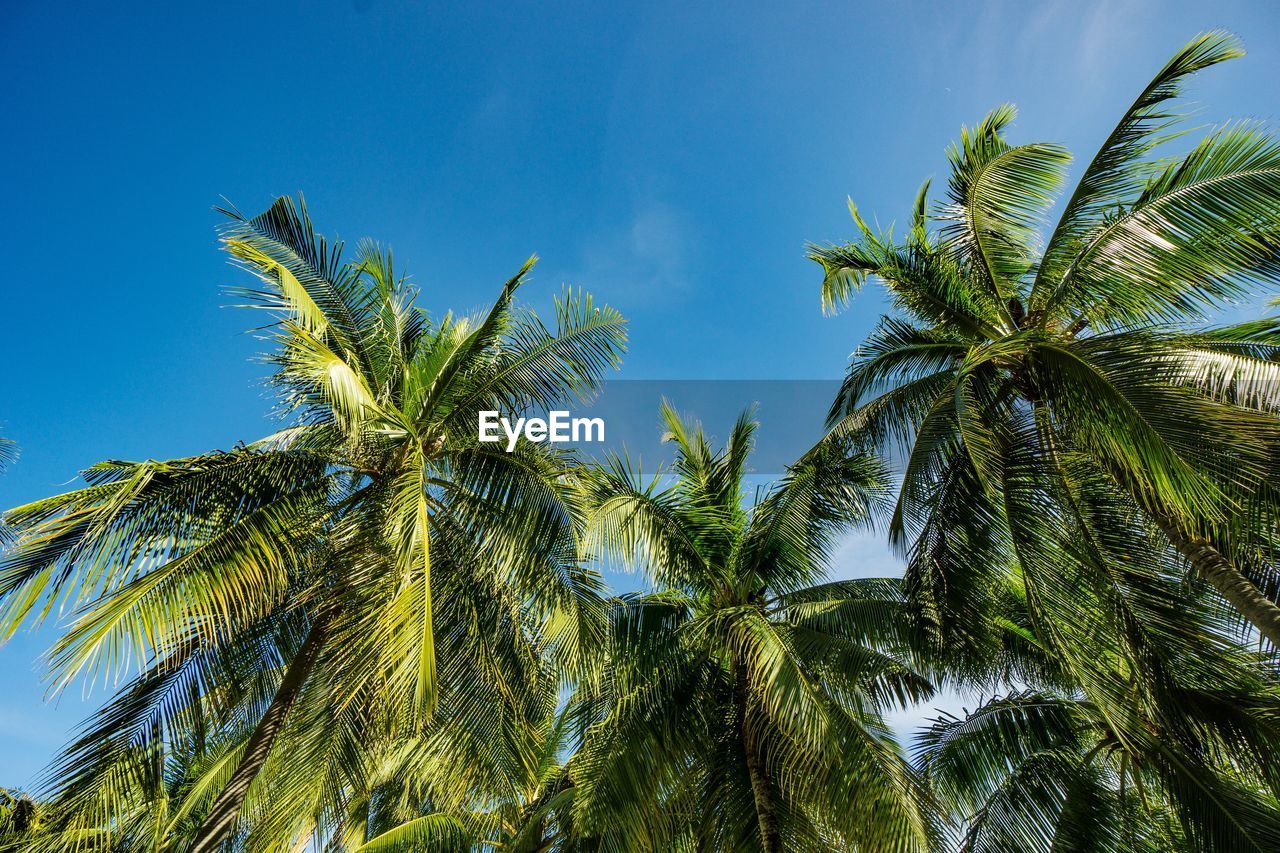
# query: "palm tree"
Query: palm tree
{"points": [[370, 572], [1048, 762], [1030, 771], [741, 693], [1087, 351], [19, 818], [532, 813], [1066, 427]]}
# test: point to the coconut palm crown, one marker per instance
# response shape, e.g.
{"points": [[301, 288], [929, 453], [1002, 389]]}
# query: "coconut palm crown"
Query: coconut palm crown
{"points": [[740, 703], [1065, 424], [1089, 348], [284, 610]]}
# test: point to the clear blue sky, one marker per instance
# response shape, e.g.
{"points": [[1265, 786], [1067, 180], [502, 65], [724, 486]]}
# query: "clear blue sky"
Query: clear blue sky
{"points": [[672, 159]]}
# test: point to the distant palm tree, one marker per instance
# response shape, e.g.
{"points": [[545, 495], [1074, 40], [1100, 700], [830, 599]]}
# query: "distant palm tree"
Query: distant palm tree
{"points": [[368, 573], [1083, 354], [19, 819], [742, 694]]}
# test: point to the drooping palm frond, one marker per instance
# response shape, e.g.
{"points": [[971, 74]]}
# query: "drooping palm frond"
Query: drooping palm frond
{"points": [[1121, 167], [1025, 772]]}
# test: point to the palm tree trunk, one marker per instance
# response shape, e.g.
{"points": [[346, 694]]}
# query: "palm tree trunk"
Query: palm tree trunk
{"points": [[1229, 581], [226, 808], [766, 808]]}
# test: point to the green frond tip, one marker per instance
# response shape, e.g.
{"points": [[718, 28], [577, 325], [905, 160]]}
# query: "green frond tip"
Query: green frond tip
{"points": [[920, 212], [845, 269], [436, 832], [857, 218], [986, 131]]}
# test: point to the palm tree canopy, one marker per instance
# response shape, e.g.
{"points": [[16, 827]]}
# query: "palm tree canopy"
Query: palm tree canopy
{"points": [[1175, 760], [740, 699], [370, 572], [1068, 430]]}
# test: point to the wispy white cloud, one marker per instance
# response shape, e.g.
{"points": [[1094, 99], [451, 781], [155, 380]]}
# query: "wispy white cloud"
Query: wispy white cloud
{"points": [[1100, 28], [1014, 33], [1104, 31], [645, 259]]}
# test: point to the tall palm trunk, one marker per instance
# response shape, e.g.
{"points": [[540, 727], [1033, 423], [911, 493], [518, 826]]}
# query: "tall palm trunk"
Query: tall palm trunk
{"points": [[1229, 581], [226, 808], [766, 808]]}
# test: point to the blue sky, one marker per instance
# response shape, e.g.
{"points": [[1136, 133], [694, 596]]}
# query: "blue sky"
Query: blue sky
{"points": [[672, 159]]}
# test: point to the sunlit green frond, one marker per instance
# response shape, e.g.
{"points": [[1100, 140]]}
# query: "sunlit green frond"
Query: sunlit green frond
{"points": [[1119, 171], [1202, 234], [997, 195]]}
